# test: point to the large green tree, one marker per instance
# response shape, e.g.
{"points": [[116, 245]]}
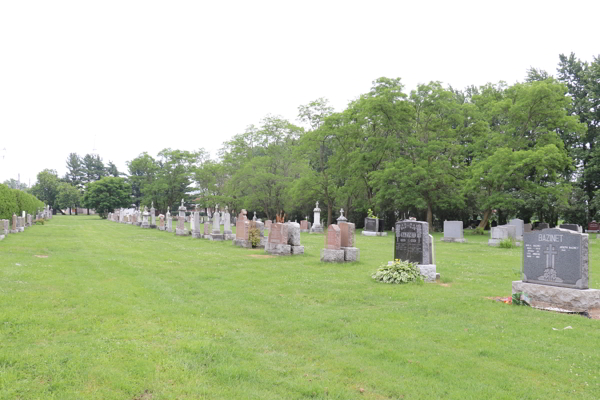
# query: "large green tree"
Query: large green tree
{"points": [[46, 187], [107, 195]]}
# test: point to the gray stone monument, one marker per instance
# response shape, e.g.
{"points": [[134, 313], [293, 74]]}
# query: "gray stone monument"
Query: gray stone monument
{"points": [[556, 271], [152, 216], [453, 232], [415, 244], [571, 227], [180, 229], [520, 227], [216, 226], [317, 227], [145, 214], [196, 225], [227, 232], [503, 232]]}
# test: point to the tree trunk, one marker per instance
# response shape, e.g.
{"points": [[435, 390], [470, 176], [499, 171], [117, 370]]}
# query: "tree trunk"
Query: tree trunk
{"points": [[429, 217], [486, 218]]}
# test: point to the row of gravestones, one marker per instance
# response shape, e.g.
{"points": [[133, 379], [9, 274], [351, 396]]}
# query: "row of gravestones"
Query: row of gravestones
{"points": [[25, 221]]}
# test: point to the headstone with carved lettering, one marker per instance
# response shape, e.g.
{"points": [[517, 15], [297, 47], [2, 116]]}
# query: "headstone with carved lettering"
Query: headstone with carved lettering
{"points": [[304, 226], [414, 243], [520, 227], [4, 226], [15, 228], [242, 230], [593, 227], [195, 223], [227, 232], [216, 226], [277, 242], [556, 271]]}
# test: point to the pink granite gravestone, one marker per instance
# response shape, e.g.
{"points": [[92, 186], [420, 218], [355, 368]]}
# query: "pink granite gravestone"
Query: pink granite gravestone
{"points": [[333, 240]]}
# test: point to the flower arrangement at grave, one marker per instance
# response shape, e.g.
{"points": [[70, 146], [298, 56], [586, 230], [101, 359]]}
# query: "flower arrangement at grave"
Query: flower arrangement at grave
{"points": [[280, 217], [370, 214]]}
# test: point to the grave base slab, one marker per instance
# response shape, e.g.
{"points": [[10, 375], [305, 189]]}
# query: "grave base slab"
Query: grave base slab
{"points": [[371, 233], [330, 255], [316, 229], [297, 250], [569, 299], [351, 254], [14, 231], [278, 249], [196, 235], [161, 228], [218, 238], [181, 232]]}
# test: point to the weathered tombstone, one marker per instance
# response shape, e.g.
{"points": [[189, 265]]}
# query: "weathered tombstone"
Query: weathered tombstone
{"points": [[277, 242], [180, 230], [593, 227], [227, 232], [15, 228], [415, 244], [216, 231], [317, 227], [571, 227], [121, 216], [152, 216], [4, 227], [21, 223], [145, 214], [520, 227], [161, 222], [242, 230], [453, 232], [347, 230], [207, 229], [196, 225], [527, 228], [556, 271], [371, 225], [304, 226], [333, 245], [502, 232]]}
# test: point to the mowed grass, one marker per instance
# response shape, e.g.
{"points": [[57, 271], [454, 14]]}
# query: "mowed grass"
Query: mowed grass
{"points": [[119, 312]]}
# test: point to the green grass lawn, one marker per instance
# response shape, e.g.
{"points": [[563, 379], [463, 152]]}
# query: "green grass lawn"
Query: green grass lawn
{"points": [[119, 312]]}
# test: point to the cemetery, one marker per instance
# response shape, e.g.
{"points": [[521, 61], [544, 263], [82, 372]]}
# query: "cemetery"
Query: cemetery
{"points": [[421, 243], [193, 306]]}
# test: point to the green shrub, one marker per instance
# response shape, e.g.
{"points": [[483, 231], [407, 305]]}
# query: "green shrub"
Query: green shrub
{"points": [[254, 236], [399, 272], [8, 202], [478, 231], [507, 243]]}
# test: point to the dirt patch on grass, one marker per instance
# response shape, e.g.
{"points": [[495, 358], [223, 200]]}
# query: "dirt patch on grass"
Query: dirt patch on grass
{"points": [[41, 256], [144, 396], [260, 256]]}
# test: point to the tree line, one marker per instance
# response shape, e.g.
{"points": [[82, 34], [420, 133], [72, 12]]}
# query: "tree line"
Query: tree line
{"points": [[493, 152]]}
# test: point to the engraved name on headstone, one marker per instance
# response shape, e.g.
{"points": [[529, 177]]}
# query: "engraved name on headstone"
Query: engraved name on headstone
{"points": [[412, 242], [556, 257]]}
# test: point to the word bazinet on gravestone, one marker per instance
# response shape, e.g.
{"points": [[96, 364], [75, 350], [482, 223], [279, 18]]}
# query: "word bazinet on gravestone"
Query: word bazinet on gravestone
{"points": [[557, 257]]}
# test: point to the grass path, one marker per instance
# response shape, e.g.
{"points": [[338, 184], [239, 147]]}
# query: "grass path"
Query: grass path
{"points": [[119, 312]]}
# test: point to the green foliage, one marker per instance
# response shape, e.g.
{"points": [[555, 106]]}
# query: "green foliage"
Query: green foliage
{"points": [[107, 194], [68, 196], [14, 184], [399, 272], [46, 187], [8, 202], [254, 236], [507, 243]]}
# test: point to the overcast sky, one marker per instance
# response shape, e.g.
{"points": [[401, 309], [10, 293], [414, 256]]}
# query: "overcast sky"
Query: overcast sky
{"points": [[123, 77]]}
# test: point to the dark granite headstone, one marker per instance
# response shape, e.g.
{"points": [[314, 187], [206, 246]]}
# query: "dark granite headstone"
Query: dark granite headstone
{"points": [[371, 224], [541, 225], [556, 257], [412, 242]]}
